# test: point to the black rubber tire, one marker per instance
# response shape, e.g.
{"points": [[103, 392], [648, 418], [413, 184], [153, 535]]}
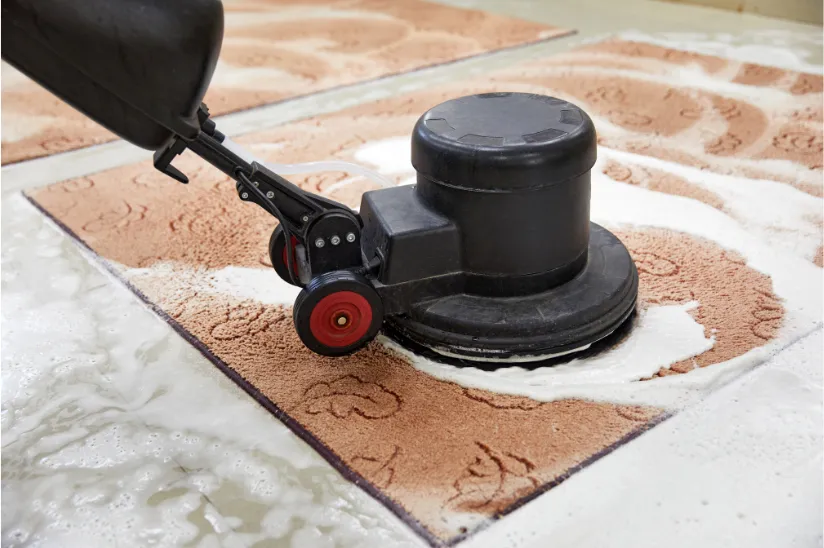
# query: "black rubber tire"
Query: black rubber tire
{"points": [[277, 245], [349, 295]]}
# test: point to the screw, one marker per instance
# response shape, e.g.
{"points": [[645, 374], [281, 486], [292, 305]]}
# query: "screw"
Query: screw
{"points": [[305, 218], [350, 237], [244, 196], [270, 194], [255, 183], [319, 242], [335, 239]]}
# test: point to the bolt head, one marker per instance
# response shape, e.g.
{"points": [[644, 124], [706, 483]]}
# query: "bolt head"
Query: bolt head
{"points": [[245, 196], [305, 218], [350, 237], [256, 183], [319, 242], [270, 194], [335, 239]]}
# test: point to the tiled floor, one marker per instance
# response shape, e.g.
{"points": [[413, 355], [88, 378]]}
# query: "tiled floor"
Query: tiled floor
{"points": [[116, 432]]}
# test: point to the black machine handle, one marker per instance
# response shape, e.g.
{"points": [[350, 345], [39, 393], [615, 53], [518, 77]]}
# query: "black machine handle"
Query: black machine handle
{"points": [[286, 201], [141, 68], [296, 209]]}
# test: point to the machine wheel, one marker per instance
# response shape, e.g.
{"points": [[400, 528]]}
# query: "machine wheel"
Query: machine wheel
{"points": [[277, 255], [337, 313]]}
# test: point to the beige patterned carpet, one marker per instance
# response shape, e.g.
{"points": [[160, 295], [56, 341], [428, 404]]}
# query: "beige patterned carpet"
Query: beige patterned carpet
{"points": [[680, 132], [280, 49]]}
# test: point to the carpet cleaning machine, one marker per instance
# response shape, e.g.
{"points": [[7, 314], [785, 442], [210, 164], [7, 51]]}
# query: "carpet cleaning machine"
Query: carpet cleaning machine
{"points": [[490, 256]]}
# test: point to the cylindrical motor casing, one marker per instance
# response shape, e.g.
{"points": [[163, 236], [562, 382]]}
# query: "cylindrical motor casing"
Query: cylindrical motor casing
{"points": [[512, 171]]}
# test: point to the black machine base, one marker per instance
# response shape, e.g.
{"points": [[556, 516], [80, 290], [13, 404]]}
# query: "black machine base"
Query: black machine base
{"points": [[567, 318]]}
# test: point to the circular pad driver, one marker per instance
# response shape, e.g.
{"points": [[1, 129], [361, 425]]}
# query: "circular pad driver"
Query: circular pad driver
{"points": [[569, 317]]}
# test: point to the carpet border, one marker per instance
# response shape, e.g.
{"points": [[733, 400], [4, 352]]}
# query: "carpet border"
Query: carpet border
{"points": [[324, 451]]}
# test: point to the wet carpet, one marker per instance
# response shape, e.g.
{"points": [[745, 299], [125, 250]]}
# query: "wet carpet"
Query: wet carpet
{"points": [[692, 147]]}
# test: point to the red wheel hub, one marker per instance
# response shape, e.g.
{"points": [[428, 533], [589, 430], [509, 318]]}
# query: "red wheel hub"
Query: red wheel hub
{"points": [[294, 257], [340, 319]]}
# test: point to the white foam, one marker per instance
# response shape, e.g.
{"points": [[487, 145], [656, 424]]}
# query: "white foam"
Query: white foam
{"points": [[662, 336], [796, 280], [770, 208], [117, 432], [774, 50], [243, 283], [259, 284], [389, 156]]}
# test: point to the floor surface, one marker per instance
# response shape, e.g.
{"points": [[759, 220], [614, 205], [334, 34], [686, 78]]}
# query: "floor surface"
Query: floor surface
{"points": [[105, 408]]}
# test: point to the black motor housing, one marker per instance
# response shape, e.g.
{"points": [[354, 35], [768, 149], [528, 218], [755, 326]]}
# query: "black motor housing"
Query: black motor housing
{"points": [[511, 170], [492, 255]]}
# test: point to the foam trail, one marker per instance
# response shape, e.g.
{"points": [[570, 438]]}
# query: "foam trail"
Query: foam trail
{"points": [[663, 335]]}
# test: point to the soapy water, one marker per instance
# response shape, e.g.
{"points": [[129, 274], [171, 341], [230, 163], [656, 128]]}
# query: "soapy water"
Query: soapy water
{"points": [[106, 438]]}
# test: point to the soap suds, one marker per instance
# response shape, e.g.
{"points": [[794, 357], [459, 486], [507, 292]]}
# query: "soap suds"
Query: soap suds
{"points": [[773, 51], [773, 210], [262, 285], [662, 336], [116, 433], [389, 156]]}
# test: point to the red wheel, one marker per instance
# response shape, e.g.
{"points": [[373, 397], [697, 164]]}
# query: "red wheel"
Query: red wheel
{"points": [[340, 319], [337, 313], [277, 255]]}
